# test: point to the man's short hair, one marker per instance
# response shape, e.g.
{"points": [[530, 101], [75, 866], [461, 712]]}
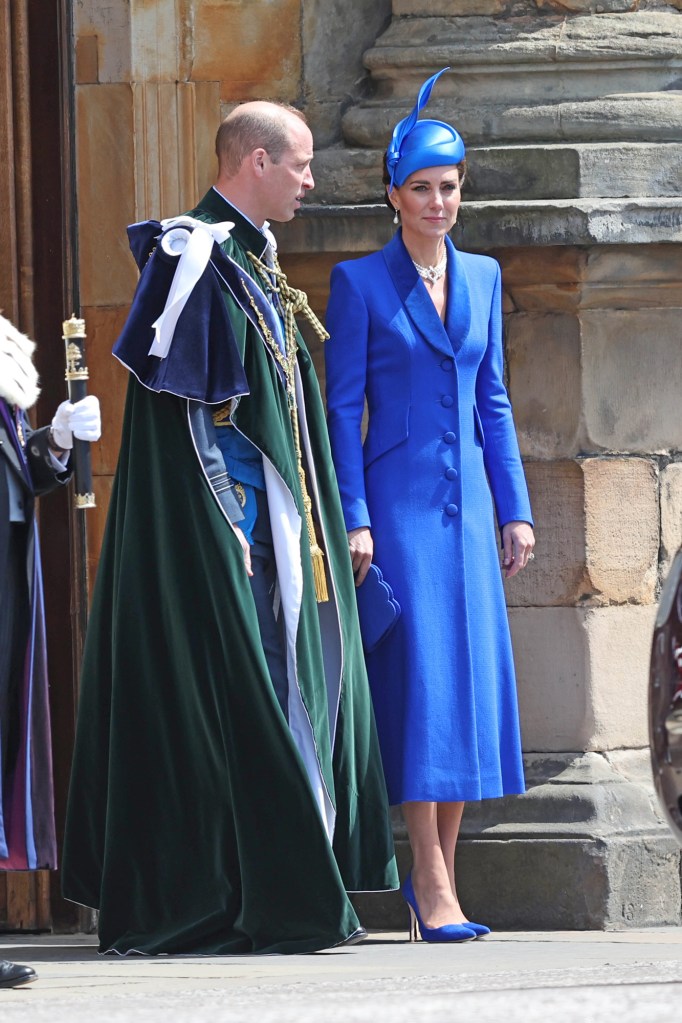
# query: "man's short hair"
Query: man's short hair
{"points": [[241, 133]]}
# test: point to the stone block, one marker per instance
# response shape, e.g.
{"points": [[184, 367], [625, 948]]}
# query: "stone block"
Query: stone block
{"points": [[447, 8], [545, 381], [234, 44], [582, 676], [638, 221], [604, 380], [557, 280], [632, 277], [103, 36], [169, 177], [198, 119], [630, 169], [578, 170], [671, 514], [542, 280], [632, 380], [106, 193], [345, 175], [588, 6], [621, 528], [155, 34], [334, 75], [559, 575], [352, 230], [87, 60], [128, 42], [560, 883]]}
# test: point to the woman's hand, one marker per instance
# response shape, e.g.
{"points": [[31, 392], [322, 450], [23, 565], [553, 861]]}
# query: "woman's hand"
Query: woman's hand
{"points": [[361, 548], [518, 541]]}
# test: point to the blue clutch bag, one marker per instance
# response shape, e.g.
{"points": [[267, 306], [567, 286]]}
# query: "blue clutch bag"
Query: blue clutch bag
{"points": [[377, 608]]}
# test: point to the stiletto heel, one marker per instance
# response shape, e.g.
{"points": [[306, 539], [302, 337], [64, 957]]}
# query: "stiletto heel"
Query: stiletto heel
{"points": [[449, 932], [413, 925]]}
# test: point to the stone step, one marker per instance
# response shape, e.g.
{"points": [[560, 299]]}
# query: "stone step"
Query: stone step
{"points": [[587, 77], [495, 224], [558, 171]]}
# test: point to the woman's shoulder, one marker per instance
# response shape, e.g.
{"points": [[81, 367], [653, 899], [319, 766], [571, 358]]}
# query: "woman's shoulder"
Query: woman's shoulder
{"points": [[359, 270], [477, 263]]}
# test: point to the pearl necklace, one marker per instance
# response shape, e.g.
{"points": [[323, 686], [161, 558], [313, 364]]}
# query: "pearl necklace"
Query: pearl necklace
{"points": [[432, 273]]}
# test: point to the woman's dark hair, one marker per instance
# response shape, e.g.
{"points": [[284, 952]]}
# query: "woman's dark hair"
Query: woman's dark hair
{"points": [[386, 178]]}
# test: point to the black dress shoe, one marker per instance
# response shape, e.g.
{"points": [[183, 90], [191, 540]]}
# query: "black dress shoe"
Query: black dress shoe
{"points": [[13, 974], [358, 935]]}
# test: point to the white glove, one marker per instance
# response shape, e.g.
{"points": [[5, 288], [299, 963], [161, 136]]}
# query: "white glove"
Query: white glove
{"points": [[81, 420]]}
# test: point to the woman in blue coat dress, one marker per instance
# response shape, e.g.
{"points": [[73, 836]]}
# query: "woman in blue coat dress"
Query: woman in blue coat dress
{"points": [[416, 333]]}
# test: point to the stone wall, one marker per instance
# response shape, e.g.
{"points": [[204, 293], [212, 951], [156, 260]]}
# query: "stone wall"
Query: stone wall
{"points": [[572, 116]]}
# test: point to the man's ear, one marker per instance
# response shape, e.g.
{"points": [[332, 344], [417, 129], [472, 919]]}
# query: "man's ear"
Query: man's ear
{"points": [[259, 158]]}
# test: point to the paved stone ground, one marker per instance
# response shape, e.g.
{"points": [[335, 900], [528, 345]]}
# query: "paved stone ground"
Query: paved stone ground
{"points": [[630, 976]]}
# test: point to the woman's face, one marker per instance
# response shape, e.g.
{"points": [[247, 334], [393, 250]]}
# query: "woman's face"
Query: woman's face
{"points": [[428, 201]]}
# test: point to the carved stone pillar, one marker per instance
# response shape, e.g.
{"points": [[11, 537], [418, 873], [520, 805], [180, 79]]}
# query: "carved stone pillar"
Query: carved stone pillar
{"points": [[572, 116]]}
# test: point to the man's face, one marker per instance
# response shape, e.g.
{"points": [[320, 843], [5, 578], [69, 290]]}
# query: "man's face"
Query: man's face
{"points": [[286, 182]]}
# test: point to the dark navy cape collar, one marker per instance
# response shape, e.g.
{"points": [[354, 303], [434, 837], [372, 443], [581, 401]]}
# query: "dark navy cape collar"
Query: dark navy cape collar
{"points": [[203, 362], [448, 337]]}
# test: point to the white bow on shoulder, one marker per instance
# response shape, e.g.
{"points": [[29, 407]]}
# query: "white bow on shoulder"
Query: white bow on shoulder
{"points": [[192, 241]]}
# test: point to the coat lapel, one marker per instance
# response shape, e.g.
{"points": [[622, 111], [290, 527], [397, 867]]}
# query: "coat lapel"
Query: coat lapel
{"points": [[418, 304], [458, 309]]}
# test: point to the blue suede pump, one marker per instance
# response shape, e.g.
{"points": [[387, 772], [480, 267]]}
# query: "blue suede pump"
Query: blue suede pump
{"points": [[449, 932]]}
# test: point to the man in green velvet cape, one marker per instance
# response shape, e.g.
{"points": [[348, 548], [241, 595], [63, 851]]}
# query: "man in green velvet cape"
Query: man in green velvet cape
{"points": [[211, 811]]}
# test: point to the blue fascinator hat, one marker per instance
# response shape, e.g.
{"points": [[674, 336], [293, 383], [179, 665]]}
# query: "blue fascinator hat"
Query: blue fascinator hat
{"points": [[416, 144]]}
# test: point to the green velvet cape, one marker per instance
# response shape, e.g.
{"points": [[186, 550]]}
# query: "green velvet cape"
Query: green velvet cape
{"points": [[191, 824]]}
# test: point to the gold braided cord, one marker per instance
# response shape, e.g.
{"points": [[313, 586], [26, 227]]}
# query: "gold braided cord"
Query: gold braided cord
{"points": [[293, 301]]}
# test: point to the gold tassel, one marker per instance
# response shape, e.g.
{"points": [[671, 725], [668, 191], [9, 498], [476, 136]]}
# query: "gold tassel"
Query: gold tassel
{"points": [[319, 576], [316, 552], [293, 301]]}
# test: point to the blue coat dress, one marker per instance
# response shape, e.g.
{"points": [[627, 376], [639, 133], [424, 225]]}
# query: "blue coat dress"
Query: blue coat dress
{"points": [[440, 457]]}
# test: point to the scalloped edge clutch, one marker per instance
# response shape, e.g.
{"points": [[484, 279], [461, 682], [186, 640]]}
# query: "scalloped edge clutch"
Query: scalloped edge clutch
{"points": [[378, 609]]}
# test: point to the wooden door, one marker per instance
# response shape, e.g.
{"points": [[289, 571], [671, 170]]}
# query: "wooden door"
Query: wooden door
{"points": [[38, 288]]}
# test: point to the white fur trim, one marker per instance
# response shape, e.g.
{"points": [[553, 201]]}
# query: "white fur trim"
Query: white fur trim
{"points": [[18, 375]]}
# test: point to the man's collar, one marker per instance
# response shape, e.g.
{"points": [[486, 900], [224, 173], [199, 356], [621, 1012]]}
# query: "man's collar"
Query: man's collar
{"points": [[245, 230]]}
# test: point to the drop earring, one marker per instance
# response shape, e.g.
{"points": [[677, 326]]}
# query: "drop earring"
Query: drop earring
{"points": [[396, 218]]}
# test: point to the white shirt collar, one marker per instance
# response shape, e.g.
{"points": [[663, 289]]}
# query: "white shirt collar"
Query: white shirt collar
{"points": [[264, 230]]}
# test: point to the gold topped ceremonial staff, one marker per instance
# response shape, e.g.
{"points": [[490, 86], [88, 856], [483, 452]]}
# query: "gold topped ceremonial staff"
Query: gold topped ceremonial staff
{"points": [[77, 381]]}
